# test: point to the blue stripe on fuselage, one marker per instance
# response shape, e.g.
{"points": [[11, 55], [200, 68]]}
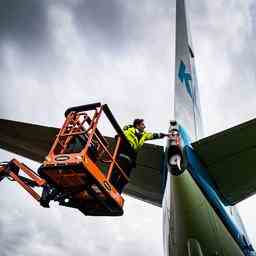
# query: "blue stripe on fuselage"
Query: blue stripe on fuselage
{"points": [[199, 174]]}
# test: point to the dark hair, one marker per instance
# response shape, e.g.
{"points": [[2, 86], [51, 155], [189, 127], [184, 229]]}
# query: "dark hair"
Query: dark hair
{"points": [[137, 121]]}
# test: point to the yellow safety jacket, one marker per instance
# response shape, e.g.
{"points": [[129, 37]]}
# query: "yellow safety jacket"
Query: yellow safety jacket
{"points": [[136, 139]]}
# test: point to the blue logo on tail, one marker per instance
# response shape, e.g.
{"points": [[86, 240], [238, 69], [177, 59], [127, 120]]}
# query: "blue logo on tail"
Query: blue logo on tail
{"points": [[185, 77]]}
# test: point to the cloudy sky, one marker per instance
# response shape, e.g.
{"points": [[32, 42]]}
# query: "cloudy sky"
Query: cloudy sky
{"points": [[56, 54]]}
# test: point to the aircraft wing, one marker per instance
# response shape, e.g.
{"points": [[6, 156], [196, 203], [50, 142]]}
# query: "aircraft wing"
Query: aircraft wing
{"points": [[230, 158], [34, 141]]}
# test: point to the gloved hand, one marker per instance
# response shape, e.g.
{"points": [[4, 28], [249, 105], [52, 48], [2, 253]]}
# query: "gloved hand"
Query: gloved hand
{"points": [[162, 135]]}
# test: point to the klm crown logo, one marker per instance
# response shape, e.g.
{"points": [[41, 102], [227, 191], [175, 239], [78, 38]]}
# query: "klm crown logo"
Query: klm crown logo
{"points": [[185, 78]]}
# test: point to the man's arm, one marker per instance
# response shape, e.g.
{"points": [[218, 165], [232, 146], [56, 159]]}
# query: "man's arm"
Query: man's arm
{"points": [[153, 136]]}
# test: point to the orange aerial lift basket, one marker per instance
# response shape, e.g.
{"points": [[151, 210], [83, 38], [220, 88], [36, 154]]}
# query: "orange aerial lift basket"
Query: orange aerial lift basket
{"points": [[78, 169]]}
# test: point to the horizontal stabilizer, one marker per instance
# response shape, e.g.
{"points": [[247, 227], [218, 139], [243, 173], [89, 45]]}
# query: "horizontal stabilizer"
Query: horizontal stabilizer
{"points": [[34, 142], [230, 158], [28, 140]]}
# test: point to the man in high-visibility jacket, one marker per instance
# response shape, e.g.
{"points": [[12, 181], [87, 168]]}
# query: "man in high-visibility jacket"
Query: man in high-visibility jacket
{"points": [[127, 155]]}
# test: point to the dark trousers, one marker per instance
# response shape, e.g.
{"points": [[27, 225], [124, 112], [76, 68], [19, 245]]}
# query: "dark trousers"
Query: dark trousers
{"points": [[116, 179]]}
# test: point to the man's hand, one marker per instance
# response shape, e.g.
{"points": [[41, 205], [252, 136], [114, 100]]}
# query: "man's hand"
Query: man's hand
{"points": [[173, 134], [162, 135]]}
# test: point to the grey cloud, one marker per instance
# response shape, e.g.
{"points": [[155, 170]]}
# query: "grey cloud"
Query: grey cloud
{"points": [[118, 51], [253, 15], [114, 24], [60, 231], [24, 22], [26, 45], [224, 47], [103, 22], [241, 56], [11, 232]]}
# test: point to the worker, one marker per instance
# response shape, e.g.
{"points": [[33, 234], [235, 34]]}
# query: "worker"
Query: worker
{"points": [[127, 154]]}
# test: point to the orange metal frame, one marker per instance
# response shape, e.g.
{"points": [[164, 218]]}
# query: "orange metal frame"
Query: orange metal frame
{"points": [[74, 126], [83, 179]]}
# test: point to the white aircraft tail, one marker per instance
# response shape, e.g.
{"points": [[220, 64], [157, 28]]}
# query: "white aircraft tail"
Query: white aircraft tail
{"points": [[187, 108]]}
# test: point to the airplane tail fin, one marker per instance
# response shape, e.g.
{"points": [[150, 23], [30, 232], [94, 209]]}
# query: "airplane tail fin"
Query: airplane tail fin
{"points": [[187, 108]]}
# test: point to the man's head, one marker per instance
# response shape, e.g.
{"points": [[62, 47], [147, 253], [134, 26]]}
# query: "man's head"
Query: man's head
{"points": [[139, 124]]}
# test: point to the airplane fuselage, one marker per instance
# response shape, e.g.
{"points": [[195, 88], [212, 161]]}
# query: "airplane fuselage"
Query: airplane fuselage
{"points": [[195, 220]]}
